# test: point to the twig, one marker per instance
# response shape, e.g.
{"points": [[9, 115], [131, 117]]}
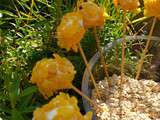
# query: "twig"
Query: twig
{"points": [[102, 58], [85, 96], [141, 29], [88, 68], [123, 48], [141, 61], [122, 61]]}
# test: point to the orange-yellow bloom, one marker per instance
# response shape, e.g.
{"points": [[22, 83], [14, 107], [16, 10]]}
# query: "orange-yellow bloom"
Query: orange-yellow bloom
{"points": [[127, 4], [62, 107], [115, 3], [70, 31], [152, 8], [93, 15], [53, 74]]}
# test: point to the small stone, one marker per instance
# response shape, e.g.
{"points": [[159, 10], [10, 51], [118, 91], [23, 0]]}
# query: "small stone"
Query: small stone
{"points": [[137, 100]]}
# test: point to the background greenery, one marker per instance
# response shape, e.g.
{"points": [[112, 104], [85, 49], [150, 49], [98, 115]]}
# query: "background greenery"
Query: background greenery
{"points": [[27, 34]]}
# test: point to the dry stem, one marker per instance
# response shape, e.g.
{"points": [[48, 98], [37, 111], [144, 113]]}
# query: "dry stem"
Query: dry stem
{"points": [[123, 48], [141, 61], [89, 70], [122, 61], [102, 58], [85, 96]]}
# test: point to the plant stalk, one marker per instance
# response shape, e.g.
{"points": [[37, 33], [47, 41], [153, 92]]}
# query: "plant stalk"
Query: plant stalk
{"points": [[122, 62], [102, 58], [141, 61], [123, 48], [85, 96], [58, 9], [89, 70]]}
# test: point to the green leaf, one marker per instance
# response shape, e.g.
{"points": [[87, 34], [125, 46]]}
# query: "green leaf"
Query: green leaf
{"points": [[28, 109], [3, 96], [14, 88], [25, 101], [8, 13], [29, 91], [45, 3], [16, 115], [4, 108], [2, 22]]}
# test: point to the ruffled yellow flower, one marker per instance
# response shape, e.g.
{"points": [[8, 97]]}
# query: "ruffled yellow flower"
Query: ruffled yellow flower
{"points": [[152, 8], [62, 107], [127, 4], [93, 15], [70, 31], [53, 74]]}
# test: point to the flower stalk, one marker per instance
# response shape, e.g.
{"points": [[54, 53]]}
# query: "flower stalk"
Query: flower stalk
{"points": [[102, 58], [89, 70], [141, 61]]}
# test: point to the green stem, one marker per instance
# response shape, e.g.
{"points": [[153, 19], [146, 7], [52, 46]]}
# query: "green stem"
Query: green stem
{"points": [[59, 11]]}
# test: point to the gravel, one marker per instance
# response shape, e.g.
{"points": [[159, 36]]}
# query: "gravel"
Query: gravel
{"points": [[135, 100]]}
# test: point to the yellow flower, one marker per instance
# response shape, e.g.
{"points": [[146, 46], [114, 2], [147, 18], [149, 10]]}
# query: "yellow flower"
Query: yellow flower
{"points": [[127, 4], [70, 31], [115, 3], [62, 107], [152, 8], [53, 74], [93, 15]]}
